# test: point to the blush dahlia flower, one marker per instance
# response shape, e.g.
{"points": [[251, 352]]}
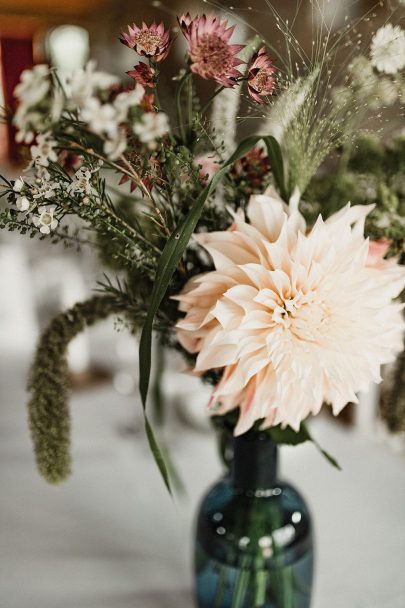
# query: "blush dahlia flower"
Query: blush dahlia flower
{"points": [[261, 79], [151, 41], [212, 57], [294, 318]]}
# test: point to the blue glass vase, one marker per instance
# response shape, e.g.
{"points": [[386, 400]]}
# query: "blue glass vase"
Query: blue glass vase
{"points": [[254, 535]]}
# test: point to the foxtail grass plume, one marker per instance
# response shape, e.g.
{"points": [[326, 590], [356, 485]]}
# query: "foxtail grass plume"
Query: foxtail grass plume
{"points": [[293, 317]]}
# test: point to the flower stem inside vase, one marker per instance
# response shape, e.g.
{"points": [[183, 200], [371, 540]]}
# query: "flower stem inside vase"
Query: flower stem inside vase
{"points": [[254, 539]]}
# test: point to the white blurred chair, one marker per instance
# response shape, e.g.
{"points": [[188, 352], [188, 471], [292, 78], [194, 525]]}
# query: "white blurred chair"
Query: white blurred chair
{"points": [[18, 320], [59, 285]]}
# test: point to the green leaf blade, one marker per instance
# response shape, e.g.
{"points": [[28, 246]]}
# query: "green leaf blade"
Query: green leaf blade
{"points": [[157, 454], [277, 164]]}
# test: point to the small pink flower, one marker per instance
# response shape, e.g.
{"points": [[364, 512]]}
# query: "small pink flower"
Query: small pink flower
{"points": [[209, 165], [212, 57], [150, 41], [143, 74], [261, 79], [377, 250]]}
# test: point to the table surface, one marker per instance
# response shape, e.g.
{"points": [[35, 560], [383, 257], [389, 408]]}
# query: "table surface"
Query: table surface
{"points": [[112, 538]]}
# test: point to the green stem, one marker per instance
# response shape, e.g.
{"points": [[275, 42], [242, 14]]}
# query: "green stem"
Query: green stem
{"points": [[217, 92], [179, 108], [211, 99], [189, 106]]}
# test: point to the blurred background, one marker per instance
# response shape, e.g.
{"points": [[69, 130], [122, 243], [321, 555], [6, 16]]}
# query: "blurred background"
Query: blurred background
{"points": [[110, 537]]}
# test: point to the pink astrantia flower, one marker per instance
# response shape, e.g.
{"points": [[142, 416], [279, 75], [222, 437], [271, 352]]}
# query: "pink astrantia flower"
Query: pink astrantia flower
{"points": [[143, 74], [261, 79], [294, 318], [150, 41], [211, 55]]}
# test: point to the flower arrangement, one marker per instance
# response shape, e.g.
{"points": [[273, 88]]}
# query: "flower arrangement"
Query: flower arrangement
{"points": [[279, 300]]}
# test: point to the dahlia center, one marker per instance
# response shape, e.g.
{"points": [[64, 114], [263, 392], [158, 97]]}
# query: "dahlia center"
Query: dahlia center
{"points": [[303, 314], [148, 42], [212, 54]]}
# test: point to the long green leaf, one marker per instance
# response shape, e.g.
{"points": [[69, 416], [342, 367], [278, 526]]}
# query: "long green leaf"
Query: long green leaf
{"points": [[276, 163], [288, 436], [157, 454]]}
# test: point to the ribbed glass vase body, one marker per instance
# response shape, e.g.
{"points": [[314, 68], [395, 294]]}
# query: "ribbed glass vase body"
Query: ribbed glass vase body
{"points": [[254, 539]]}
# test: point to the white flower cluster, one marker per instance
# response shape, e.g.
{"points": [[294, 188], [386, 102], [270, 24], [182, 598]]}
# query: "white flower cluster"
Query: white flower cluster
{"points": [[41, 105], [44, 150], [85, 82], [151, 127], [378, 90], [104, 119], [32, 113], [45, 194], [388, 49], [30, 197], [82, 184]]}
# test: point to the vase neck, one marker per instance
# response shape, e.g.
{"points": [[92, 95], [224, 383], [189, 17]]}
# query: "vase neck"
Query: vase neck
{"points": [[254, 462]]}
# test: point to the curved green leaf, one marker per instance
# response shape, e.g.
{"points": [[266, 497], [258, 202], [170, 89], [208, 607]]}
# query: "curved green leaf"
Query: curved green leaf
{"points": [[276, 163], [288, 436]]}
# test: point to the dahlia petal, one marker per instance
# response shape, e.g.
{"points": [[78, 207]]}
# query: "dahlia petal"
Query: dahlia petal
{"points": [[211, 358]]}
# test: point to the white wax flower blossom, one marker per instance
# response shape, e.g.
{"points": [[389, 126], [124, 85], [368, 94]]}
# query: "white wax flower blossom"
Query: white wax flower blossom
{"points": [[124, 101], [151, 127], [22, 203], [33, 86], [44, 151], [42, 173], [294, 318], [115, 147], [19, 184], [82, 182], [32, 113], [27, 122], [101, 118], [45, 221], [85, 81], [44, 189], [388, 49]]}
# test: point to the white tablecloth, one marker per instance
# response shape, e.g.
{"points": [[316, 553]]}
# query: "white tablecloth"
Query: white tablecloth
{"points": [[112, 538]]}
